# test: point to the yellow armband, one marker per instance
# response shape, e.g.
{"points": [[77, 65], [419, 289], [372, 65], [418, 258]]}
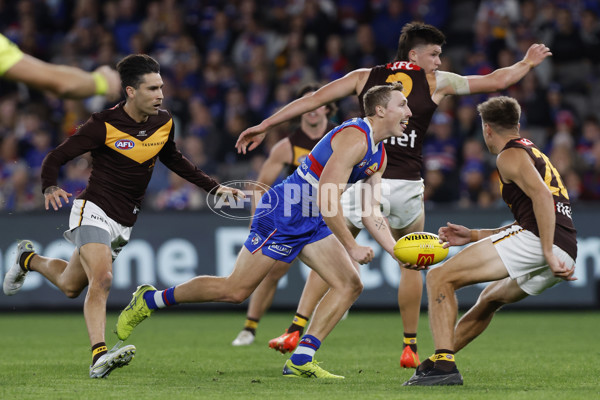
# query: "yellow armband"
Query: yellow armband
{"points": [[9, 54], [101, 83]]}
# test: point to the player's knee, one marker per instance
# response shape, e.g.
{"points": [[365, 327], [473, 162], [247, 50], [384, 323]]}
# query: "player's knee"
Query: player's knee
{"points": [[238, 296], [356, 286], [436, 277], [72, 292], [102, 281], [490, 300]]}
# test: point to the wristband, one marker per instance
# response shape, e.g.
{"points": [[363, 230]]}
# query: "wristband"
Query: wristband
{"points": [[101, 83]]}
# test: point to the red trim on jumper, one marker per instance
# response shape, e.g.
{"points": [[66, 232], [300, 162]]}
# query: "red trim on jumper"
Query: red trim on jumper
{"points": [[315, 166], [382, 155], [354, 126], [264, 242]]}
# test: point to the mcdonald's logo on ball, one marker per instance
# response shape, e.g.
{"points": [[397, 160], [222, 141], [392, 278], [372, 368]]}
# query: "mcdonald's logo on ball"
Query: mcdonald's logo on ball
{"points": [[420, 248]]}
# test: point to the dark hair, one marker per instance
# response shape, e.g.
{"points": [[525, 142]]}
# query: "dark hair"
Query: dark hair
{"points": [[379, 96], [417, 34], [501, 113], [313, 87], [133, 67]]}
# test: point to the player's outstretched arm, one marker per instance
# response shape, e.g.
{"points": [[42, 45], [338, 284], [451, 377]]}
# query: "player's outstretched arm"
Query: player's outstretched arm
{"points": [[65, 81], [345, 86], [502, 78]]}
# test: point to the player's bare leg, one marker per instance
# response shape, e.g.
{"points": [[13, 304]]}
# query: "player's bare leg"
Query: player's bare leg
{"points": [[315, 287], [330, 260], [477, 263], [262, 298], [477, 319], [96, 259], [260, 301], [68, 277], [410, 291], [314, 290], [249, 271]]}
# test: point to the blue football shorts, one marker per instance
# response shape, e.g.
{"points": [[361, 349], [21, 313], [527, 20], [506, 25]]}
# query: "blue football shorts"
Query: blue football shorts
{"points": [[281, 227]]}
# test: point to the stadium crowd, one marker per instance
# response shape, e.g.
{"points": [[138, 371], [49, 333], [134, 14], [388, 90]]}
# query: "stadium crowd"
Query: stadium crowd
{"points": [[228, 64]]}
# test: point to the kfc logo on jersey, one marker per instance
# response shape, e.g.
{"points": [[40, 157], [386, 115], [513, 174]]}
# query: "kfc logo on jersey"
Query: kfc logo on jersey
{"points": [[362, 163], [403, 65], [525, 142], [124, 144]]}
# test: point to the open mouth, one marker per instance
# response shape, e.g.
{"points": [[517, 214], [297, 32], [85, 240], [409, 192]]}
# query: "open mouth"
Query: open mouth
{"points": [[404, 123]]}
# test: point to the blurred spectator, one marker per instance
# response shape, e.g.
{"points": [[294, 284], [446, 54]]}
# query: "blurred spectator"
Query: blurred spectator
{"points": [[76, 174], [334, 64], [180, 195], [589, 137], [387, 25], [19, 193], [231, 63], [367, 51], [591, 176], [473, 184], [590, 35], [441, 147]]}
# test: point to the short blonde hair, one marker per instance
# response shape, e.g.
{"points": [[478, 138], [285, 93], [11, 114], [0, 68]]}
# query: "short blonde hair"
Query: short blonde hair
{"points": [[379, 96]]}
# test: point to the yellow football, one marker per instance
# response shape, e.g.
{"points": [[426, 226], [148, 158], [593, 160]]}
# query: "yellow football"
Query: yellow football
{"points": [[420, 248]]}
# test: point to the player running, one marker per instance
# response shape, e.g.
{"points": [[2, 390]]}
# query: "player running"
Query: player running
{"points": [[287, 154]]}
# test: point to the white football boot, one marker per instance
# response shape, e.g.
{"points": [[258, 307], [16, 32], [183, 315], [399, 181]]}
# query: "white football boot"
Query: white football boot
{"points": [[15, 277], [115, 358], [244, 338]]}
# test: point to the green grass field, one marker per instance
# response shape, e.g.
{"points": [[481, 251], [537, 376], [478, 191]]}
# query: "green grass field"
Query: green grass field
{"points": [[185, 355]]}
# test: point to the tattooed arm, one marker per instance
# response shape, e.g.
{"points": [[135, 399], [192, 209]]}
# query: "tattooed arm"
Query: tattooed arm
{"points": [[373, 220]]}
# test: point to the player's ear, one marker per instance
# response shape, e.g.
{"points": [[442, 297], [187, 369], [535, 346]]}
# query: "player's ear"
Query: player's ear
{"points": [[412, 56], [129, 91], [380, 111]]}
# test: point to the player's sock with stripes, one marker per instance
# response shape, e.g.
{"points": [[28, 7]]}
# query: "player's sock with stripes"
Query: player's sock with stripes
{"points": [[427, 364], [156, 299], [98, 350], [306, 350], [250, 325], [25, 260], [444, 360], [410, 339], [298, 324]]}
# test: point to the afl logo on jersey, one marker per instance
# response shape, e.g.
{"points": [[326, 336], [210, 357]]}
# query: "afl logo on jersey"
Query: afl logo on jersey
{"points": [[124, 144]]}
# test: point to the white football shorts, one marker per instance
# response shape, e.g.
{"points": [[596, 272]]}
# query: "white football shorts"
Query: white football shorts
{"points": [[521, 253], [85, 218], [401, 202]]}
